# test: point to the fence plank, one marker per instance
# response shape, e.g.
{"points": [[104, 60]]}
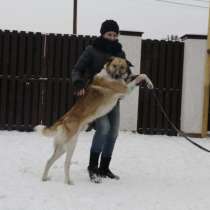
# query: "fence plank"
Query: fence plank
{"points": [[146, 102], [12, 81], [58, 55], [154, 75], [65, 72], [174, 84], [64, 63], [1, 50], [35, 82], [70, 98], [47, 117], [72, 62], [80, 45], [27, 86], [167, 95], [55, 100], [73, 51], [37, 55], [50, 55], [63, 97], [20, 80], [1, 76], [4, 83], [160, 84]]}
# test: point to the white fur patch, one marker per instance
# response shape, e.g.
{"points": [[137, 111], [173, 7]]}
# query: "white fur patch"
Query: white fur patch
{"points": [[43, 130], [39, 128]]}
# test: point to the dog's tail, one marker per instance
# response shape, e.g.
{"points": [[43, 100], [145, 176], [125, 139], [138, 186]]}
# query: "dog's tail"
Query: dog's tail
{"points": [[42, 129]]}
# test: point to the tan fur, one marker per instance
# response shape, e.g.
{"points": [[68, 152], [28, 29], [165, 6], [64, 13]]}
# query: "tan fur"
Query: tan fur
{"points": [[99, 99]]}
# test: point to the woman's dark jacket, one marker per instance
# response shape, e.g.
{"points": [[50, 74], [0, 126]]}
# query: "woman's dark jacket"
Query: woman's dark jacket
{"points": [[93, 59]]}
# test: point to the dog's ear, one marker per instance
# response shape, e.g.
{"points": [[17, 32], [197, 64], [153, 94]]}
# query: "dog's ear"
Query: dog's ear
{"points": [[110, 59], [129, 63]]}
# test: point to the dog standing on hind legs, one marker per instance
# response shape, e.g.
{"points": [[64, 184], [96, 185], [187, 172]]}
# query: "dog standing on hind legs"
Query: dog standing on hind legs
{"points": [[112, 83], [64, 142]]}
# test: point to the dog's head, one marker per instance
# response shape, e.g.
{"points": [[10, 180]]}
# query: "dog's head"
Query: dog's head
{"points": [[118, 68]]}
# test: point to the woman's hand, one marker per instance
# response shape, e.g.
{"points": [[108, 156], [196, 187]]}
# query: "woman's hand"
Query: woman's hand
{"points": [[80, 92], [79, 88]]}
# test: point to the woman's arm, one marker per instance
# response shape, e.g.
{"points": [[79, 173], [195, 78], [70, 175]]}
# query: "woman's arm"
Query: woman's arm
{"points": [[79, 69]]}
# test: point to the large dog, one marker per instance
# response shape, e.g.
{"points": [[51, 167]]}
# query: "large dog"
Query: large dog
{"points": [[107, 87]]}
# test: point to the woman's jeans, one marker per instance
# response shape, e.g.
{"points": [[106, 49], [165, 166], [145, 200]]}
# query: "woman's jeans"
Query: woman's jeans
{"points": [[107, 128]]}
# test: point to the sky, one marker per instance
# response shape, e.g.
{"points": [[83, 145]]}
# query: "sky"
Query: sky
{"points": [[156, 19]]}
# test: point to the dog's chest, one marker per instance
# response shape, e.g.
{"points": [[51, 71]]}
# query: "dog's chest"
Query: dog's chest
{"points": [[103, 109], [106, 107]]}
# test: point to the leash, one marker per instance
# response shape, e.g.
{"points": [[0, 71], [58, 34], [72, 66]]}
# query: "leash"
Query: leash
{"points": [[181, 133]]}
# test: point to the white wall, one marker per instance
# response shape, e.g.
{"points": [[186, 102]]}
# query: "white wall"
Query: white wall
{"points": [[192, 90], [129, 105]]}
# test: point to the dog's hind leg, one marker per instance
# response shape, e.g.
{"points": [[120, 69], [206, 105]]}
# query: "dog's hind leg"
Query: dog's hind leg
{"points": [[70, 146], [58, 151]]}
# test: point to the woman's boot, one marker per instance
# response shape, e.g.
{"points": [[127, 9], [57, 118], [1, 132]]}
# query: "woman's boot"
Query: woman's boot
{"points": [[93, 168], [104, 170]]}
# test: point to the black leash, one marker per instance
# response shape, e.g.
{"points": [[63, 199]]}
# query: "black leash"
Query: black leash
{"points": [[181, 133]]}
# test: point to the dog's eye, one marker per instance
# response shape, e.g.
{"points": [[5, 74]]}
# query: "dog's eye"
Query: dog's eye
{"points": [[114, 66]]}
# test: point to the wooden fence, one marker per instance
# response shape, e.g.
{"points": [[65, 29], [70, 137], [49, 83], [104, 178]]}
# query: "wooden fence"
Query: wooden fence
{"points": [[35, 77], [162, 61]]}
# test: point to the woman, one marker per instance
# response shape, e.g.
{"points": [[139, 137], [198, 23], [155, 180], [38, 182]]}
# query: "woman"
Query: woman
{"points": [[90, 63]]}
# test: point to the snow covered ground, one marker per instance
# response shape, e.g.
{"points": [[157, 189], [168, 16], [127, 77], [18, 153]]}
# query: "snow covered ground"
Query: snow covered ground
{"points": [[157, 173]]}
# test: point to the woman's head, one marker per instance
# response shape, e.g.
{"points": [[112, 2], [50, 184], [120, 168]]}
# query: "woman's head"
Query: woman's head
{"points": [[109, 30]]}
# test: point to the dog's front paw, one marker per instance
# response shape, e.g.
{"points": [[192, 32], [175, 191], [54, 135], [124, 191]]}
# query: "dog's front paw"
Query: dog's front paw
{"points": [[139, 79], [148, 81], [150, 85]]}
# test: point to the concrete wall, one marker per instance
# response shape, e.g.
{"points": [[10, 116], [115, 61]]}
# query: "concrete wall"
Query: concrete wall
{"points": [[193, 81], [131, 42]]}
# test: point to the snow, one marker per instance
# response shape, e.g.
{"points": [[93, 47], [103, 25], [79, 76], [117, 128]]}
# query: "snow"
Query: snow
{"points": [[157, 173]]}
